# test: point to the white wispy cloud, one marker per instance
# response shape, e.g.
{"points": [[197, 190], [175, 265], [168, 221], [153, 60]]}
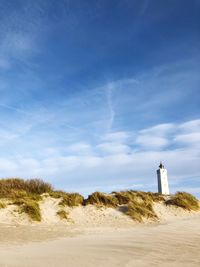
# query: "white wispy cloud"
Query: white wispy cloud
{"points": [[188, 139], [113, 148], [159, 130], [114, 163], [80, 148], [190, 126], [150, 141], [121, 137]]}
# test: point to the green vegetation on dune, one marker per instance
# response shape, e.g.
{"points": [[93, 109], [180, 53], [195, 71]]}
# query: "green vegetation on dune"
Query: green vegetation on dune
{"points": [[184, 200]]}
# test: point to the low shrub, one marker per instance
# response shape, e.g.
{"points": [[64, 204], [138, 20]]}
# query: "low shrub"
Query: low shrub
{"points": [[184, 200], [10, 187], [38, 186]]}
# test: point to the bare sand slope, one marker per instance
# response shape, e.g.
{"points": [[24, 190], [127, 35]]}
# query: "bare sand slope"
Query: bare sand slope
{"points": [[176, 243]]}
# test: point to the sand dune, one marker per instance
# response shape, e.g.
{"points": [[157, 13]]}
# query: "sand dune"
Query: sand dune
{"points": [[99, 237], [89, 215]]}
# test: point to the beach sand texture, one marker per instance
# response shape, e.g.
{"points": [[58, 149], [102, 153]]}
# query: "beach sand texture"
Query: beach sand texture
{"points": [[102, 241]]}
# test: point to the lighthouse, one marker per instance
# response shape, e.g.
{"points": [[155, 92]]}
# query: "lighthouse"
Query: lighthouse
{"points": [[163, 187]]}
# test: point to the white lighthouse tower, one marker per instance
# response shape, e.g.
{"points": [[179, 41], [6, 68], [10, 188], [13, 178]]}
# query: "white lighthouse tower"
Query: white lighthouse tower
{"points": [[163, 187]]}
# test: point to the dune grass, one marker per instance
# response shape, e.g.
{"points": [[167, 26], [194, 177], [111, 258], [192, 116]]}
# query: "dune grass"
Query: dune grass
{"points": [[63, 215], [139, 210], [9, 187], [2, 205], [31, 208], [125, 197], [185, 201], [57, 194], [19, 190], [68, 199], [139, 205], [72, 200], [25, 194], [156, 197], [102, 199]]}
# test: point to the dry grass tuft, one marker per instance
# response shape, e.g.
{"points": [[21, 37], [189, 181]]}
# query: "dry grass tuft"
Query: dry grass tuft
{"points": [[31, 208], [57, 194], [125, 197], [62, 214], [71, 200], [2, 205], [138, 211], [156, 197], [185, 201], [101, 199], [25, 193], [139, 204], [68, 199]]}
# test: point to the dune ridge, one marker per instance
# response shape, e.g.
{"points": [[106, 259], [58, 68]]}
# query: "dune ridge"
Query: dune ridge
{"points": [[43, 227], [88, 215]]}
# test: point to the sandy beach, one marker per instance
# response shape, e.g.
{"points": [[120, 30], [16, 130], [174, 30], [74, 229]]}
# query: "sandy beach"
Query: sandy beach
{"points": [[173, 243]]}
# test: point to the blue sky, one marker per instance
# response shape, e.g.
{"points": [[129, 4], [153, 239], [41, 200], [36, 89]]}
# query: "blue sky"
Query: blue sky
{"points": [[93, 94]]}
